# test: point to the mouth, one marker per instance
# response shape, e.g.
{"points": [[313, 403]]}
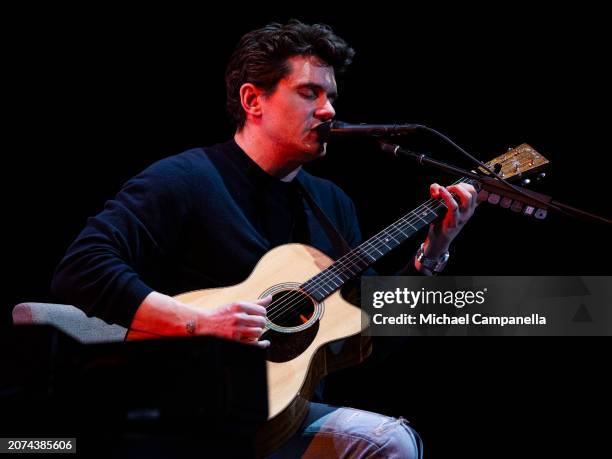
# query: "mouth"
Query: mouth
{"points": [[313, 132], [322, 130]]}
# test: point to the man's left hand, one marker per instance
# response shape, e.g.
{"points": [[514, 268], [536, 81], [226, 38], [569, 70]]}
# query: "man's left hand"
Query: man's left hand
{"points": [[444, 230]]}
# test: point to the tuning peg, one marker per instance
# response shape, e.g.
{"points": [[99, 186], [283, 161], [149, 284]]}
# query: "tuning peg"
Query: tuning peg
{"points": [[541, 214], [541, 175], [525, 182], [493, 198], [505, 202], [516, 206], [528, 211]]}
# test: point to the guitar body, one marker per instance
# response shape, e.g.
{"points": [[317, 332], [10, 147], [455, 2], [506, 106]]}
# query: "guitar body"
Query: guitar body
{"points": [[326, 337]]}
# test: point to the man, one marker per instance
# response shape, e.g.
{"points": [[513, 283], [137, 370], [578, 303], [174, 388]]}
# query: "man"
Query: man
{"points": [[205, 217]]}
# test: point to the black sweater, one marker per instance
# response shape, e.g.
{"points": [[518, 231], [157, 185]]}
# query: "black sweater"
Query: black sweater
{"points": [[200, 219]]}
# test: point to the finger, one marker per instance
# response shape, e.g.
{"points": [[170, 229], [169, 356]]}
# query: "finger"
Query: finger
{"points": [[250, 333], [248, 320], [470, 188], [464, 196], [448, 199], [250, 308], [264, 344], [472, 191], [434, 190], [265, 301]]}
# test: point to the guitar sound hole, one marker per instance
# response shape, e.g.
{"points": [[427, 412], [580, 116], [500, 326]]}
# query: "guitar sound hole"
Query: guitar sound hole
{"points": [[290, 308]]}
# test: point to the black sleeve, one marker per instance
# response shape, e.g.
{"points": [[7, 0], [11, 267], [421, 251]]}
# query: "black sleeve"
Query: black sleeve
{"points": [[100, 271]]}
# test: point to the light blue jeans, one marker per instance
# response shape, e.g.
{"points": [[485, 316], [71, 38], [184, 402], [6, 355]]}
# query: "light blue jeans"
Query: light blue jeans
{"points": [[332, 432]]}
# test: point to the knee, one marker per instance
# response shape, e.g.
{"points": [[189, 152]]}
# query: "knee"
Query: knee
{"points": [[402, 442]]}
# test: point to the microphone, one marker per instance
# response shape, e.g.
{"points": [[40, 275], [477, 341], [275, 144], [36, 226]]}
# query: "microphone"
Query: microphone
{"points": [[331, 128]]}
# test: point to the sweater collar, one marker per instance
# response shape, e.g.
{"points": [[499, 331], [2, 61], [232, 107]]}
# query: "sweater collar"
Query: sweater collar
{"points": [[253, 169]]}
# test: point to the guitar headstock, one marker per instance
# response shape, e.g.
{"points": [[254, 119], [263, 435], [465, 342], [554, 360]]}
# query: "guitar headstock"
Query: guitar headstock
{"points": [[516, 163]]}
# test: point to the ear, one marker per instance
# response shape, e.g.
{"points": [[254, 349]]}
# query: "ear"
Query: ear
{"points": [[250, 99]]}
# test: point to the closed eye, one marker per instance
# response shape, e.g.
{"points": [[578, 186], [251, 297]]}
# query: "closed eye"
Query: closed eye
{"points": [[308, 93]]}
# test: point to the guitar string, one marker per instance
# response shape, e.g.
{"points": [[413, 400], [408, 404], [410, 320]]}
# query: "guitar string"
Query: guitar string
{"points": [[343, 264]]}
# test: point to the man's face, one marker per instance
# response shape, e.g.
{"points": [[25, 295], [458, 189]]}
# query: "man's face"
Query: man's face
{"points": [[301, 101]]}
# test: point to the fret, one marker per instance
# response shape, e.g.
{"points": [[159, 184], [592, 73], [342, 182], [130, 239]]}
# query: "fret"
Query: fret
{"points": [[383, 242], [398, 242], [351, 268], [386, 239], [406, 236], [414, 228], [419, 217], [410, 229], [366, 253]]}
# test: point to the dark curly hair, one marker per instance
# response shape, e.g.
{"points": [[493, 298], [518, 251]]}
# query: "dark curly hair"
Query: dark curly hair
{"points": [[261, 57]]}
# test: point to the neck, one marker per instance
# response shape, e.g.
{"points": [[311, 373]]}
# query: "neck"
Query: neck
{"points": [[267, 154]]}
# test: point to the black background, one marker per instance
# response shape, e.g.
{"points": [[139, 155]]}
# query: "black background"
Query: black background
{"points": [[95, 96]]}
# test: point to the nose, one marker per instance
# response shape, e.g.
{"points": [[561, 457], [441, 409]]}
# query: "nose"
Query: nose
{"points": [[326, 112]]}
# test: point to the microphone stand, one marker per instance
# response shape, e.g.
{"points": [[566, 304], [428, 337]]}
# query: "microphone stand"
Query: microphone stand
{"points": [[494, 186]]}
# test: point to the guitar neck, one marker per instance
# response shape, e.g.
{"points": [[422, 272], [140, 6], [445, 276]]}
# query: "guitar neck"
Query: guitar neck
{"points": [[369, 252], [510, 165]]}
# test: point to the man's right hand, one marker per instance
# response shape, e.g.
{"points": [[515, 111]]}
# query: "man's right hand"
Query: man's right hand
{"points": [[161, 315], [240, 321]]}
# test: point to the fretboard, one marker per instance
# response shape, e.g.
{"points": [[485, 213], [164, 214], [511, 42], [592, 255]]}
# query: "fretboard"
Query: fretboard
{"points": [[369, 252]]}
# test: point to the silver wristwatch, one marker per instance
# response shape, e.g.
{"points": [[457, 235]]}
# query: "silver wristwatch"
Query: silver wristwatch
{"points": [[435, 265]]}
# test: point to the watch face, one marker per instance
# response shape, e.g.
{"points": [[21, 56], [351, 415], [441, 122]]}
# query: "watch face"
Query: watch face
{"points": [[435, 265], [431, 263]]}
